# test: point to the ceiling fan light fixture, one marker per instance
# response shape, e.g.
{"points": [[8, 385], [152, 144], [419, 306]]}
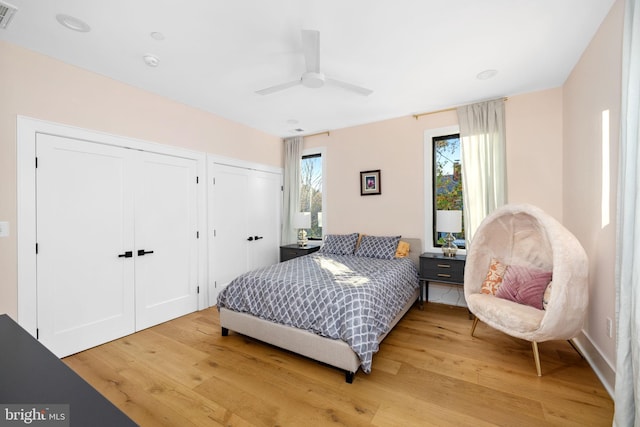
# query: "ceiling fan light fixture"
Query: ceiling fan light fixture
{"points": [[313, 80]]}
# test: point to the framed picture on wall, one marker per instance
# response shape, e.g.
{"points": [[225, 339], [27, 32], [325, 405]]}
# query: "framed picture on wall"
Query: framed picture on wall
{"points": [[370, 183]]}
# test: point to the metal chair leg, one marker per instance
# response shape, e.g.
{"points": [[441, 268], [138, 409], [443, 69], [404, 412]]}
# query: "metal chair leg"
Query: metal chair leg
{"points": [[475, 323], [536, 356]]}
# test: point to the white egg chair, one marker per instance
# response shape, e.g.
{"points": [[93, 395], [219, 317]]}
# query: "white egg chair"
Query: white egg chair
{"points": [[524, 235]]}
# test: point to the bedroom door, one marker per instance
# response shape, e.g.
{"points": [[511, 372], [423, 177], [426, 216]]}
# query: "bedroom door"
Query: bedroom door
{"points": [[116, 233], [245, 206]]}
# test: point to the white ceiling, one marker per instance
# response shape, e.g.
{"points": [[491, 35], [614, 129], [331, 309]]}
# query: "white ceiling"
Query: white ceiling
{"points": [[416, 55]]}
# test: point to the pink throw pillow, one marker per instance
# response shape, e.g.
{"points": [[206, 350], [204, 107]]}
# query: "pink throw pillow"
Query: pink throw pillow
{"points": [[524, 285]]}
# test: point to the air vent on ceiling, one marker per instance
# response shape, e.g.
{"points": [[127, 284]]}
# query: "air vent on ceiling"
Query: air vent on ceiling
{"points": [[6, 13]]}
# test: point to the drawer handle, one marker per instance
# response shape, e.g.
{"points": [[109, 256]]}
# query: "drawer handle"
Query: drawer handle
{"points": [[443, 275], [444, 265]]}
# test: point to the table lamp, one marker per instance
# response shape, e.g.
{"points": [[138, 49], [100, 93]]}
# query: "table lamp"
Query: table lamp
{"points": [[302, 221], [449, 222]]}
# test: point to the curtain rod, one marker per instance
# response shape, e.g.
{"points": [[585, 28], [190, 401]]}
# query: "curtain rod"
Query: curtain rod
{"points": [[317, 134], [417, 116], [313, 134]]}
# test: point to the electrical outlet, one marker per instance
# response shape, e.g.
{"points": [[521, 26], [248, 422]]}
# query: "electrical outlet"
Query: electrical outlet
{"points": [[4, 229], [609, 327]]}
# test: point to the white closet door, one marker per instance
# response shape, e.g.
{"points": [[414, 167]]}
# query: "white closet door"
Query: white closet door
{"points": [[165, 236], [264, 218], [231, 205], [245, 214], [85, 291]]}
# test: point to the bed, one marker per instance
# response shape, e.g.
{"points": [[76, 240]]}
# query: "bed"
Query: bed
{"points": [[338, 306]]}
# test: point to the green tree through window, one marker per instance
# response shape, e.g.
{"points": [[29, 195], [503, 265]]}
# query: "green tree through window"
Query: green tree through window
{"points": [[311, 192], [447, 182]]}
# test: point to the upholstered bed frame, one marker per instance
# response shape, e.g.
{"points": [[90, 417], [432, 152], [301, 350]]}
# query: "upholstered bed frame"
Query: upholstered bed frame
{"points": [[336, 353]]}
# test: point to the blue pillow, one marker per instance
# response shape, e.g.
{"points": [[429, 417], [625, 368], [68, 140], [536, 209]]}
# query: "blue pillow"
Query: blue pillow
{"points": [[339, 244], [383, 247]]}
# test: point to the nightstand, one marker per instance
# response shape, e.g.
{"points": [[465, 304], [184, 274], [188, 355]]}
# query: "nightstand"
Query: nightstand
{"points": [[288, 252], [435, 267]]}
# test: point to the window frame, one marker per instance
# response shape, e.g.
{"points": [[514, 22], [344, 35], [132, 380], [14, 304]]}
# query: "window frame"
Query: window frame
{"points": [[429, 208], [433, 183], [320, 151]]}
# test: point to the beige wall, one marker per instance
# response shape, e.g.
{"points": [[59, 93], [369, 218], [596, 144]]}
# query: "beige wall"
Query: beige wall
{"points": [[593, 87], [37, 86], [396, 147]]}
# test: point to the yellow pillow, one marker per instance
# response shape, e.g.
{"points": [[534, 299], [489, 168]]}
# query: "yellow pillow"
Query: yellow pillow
{"points": [[403, 249]]}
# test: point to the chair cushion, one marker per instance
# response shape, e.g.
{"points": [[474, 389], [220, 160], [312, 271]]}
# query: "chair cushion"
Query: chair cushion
{"points": [[515, 319]]}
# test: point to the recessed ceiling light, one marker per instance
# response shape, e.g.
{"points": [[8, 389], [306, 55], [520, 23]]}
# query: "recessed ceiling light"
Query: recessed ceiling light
{"points": [[151, 60], [157, 36], [486, 74], [73, 23]]}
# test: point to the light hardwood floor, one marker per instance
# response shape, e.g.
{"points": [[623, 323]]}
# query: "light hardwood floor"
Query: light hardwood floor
{"points": [[429, 372]]}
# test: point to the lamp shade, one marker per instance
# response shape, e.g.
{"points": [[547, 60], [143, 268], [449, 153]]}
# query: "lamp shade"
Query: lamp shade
{"points": [[449, 221], [302, 220]]}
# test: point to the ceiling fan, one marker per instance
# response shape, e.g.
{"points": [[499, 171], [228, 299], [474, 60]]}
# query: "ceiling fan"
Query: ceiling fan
{"points": [[313, 78]]}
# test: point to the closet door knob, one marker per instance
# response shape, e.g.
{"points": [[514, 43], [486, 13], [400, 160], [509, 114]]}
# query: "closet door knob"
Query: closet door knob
{"points": [[127, 254], [258, 237], [250, 238], [142, 252]]}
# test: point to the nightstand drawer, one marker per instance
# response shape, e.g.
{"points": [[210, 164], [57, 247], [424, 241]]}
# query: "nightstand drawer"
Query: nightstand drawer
{"points": [[441, 269]]}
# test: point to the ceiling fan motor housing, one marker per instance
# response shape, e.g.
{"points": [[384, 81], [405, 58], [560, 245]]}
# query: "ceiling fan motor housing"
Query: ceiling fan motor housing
{"points": [[313, 80]]}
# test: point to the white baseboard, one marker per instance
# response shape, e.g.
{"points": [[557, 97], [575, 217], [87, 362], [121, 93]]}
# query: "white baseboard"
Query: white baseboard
{"points": [[603, 368]]}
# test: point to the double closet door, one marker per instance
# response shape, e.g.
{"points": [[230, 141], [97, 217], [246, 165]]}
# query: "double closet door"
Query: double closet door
{"points": [[116, 241]]}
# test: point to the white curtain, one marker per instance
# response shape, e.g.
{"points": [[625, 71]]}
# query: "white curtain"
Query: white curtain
{"points": [[484, 171], [627, 391], [291, 196]]}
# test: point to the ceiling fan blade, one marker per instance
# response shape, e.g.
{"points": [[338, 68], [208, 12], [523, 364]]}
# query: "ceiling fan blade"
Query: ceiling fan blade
{"points": [[278, 88], [357, 89], [311, 49]]}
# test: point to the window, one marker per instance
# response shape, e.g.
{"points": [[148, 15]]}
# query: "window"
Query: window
{"points": [[447, 182], [311, 196]]}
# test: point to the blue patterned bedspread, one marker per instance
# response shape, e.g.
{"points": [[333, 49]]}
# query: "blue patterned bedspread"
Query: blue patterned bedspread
{"points": [[344, 297]]}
